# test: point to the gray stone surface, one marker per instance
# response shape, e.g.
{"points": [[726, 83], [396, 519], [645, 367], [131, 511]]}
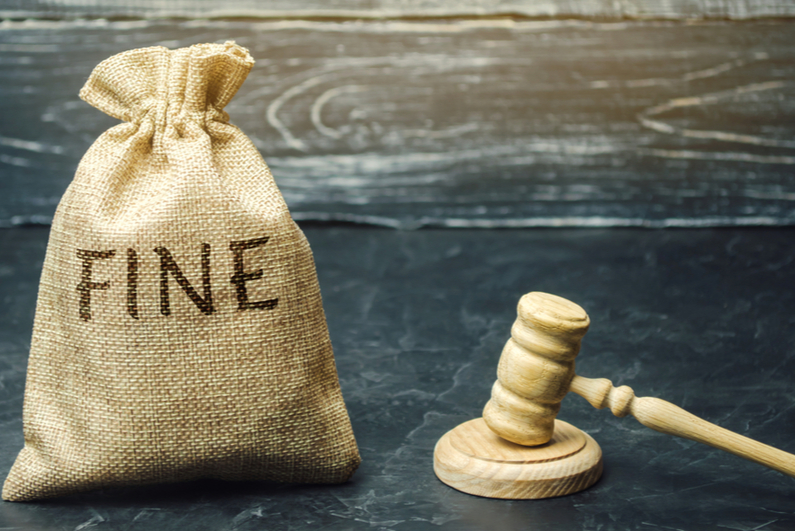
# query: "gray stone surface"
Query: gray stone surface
{"points": [[702, 318], [477, 122]]}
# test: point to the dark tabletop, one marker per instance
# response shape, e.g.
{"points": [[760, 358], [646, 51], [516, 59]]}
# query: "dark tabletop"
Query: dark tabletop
{"points": [[702, 318]]}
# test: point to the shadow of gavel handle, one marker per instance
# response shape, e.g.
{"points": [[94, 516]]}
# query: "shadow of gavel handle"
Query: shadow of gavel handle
{"points": [[536, 370], [667, 418]]}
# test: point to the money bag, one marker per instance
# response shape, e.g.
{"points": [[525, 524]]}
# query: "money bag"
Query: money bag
{"points": [[179, 329]]}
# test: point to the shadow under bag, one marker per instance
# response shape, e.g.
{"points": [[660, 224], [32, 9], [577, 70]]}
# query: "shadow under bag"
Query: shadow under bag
{"points": [[179, 329]]}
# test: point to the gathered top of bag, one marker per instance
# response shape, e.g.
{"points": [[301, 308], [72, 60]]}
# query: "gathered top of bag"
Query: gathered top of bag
{"points": [[179, 330], [169, 86]]}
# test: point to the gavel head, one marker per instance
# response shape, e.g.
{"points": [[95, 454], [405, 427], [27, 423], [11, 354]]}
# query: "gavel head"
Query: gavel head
{"points": [[536, 368]]}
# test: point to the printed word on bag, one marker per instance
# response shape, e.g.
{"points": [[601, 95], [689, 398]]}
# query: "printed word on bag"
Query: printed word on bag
{"points": [[170, 267], [179, 329]]}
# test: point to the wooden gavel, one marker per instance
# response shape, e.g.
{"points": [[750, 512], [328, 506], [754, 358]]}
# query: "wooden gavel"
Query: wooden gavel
{"points": [[535, 372]]}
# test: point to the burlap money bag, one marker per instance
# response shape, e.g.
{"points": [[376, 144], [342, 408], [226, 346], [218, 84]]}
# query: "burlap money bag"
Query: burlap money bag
{"points": [[179, 329]]}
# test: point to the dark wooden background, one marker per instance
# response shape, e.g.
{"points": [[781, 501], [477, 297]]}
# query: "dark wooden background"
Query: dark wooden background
{"points": [[473, 122], [306, 9]]}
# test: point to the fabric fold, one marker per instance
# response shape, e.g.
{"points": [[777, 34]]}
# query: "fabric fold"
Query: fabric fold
{"points": [[179, 329]]}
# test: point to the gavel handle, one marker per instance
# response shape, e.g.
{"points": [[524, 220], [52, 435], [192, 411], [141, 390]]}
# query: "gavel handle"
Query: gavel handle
{"points": [[667, 418]]}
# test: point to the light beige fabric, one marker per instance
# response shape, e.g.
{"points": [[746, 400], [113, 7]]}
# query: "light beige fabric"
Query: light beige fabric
{"points": [[179, 331]]}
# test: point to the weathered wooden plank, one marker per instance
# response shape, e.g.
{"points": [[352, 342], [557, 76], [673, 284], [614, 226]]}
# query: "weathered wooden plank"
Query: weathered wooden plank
{"points": [[373, 9], [487, 122]]}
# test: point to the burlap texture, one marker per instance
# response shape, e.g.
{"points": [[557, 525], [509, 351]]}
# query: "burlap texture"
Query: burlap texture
{"points": [[179, 330]]}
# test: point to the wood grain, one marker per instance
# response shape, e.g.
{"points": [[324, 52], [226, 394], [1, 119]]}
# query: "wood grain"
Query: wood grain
{"points": [[473, 459], [453, 123], [667, 418], [668, 9], [535, 369]]}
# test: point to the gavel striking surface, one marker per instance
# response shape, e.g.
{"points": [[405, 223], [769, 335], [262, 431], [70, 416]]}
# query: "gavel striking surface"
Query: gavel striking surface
{"points": [[473, 459]]}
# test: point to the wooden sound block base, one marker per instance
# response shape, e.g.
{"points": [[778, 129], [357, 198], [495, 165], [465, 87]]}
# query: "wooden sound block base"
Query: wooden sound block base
{"points": [[473, 459]]}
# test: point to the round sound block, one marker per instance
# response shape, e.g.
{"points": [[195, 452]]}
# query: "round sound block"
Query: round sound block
{"points": [[473, 459]]}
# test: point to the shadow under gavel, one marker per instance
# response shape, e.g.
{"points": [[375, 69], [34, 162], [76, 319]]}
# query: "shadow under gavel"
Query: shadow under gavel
{"points": [[518, 450]]}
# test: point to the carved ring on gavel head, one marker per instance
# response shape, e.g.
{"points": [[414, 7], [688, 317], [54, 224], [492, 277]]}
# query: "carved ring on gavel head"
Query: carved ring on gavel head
{"points": [[535, 369], [519, 450]]}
